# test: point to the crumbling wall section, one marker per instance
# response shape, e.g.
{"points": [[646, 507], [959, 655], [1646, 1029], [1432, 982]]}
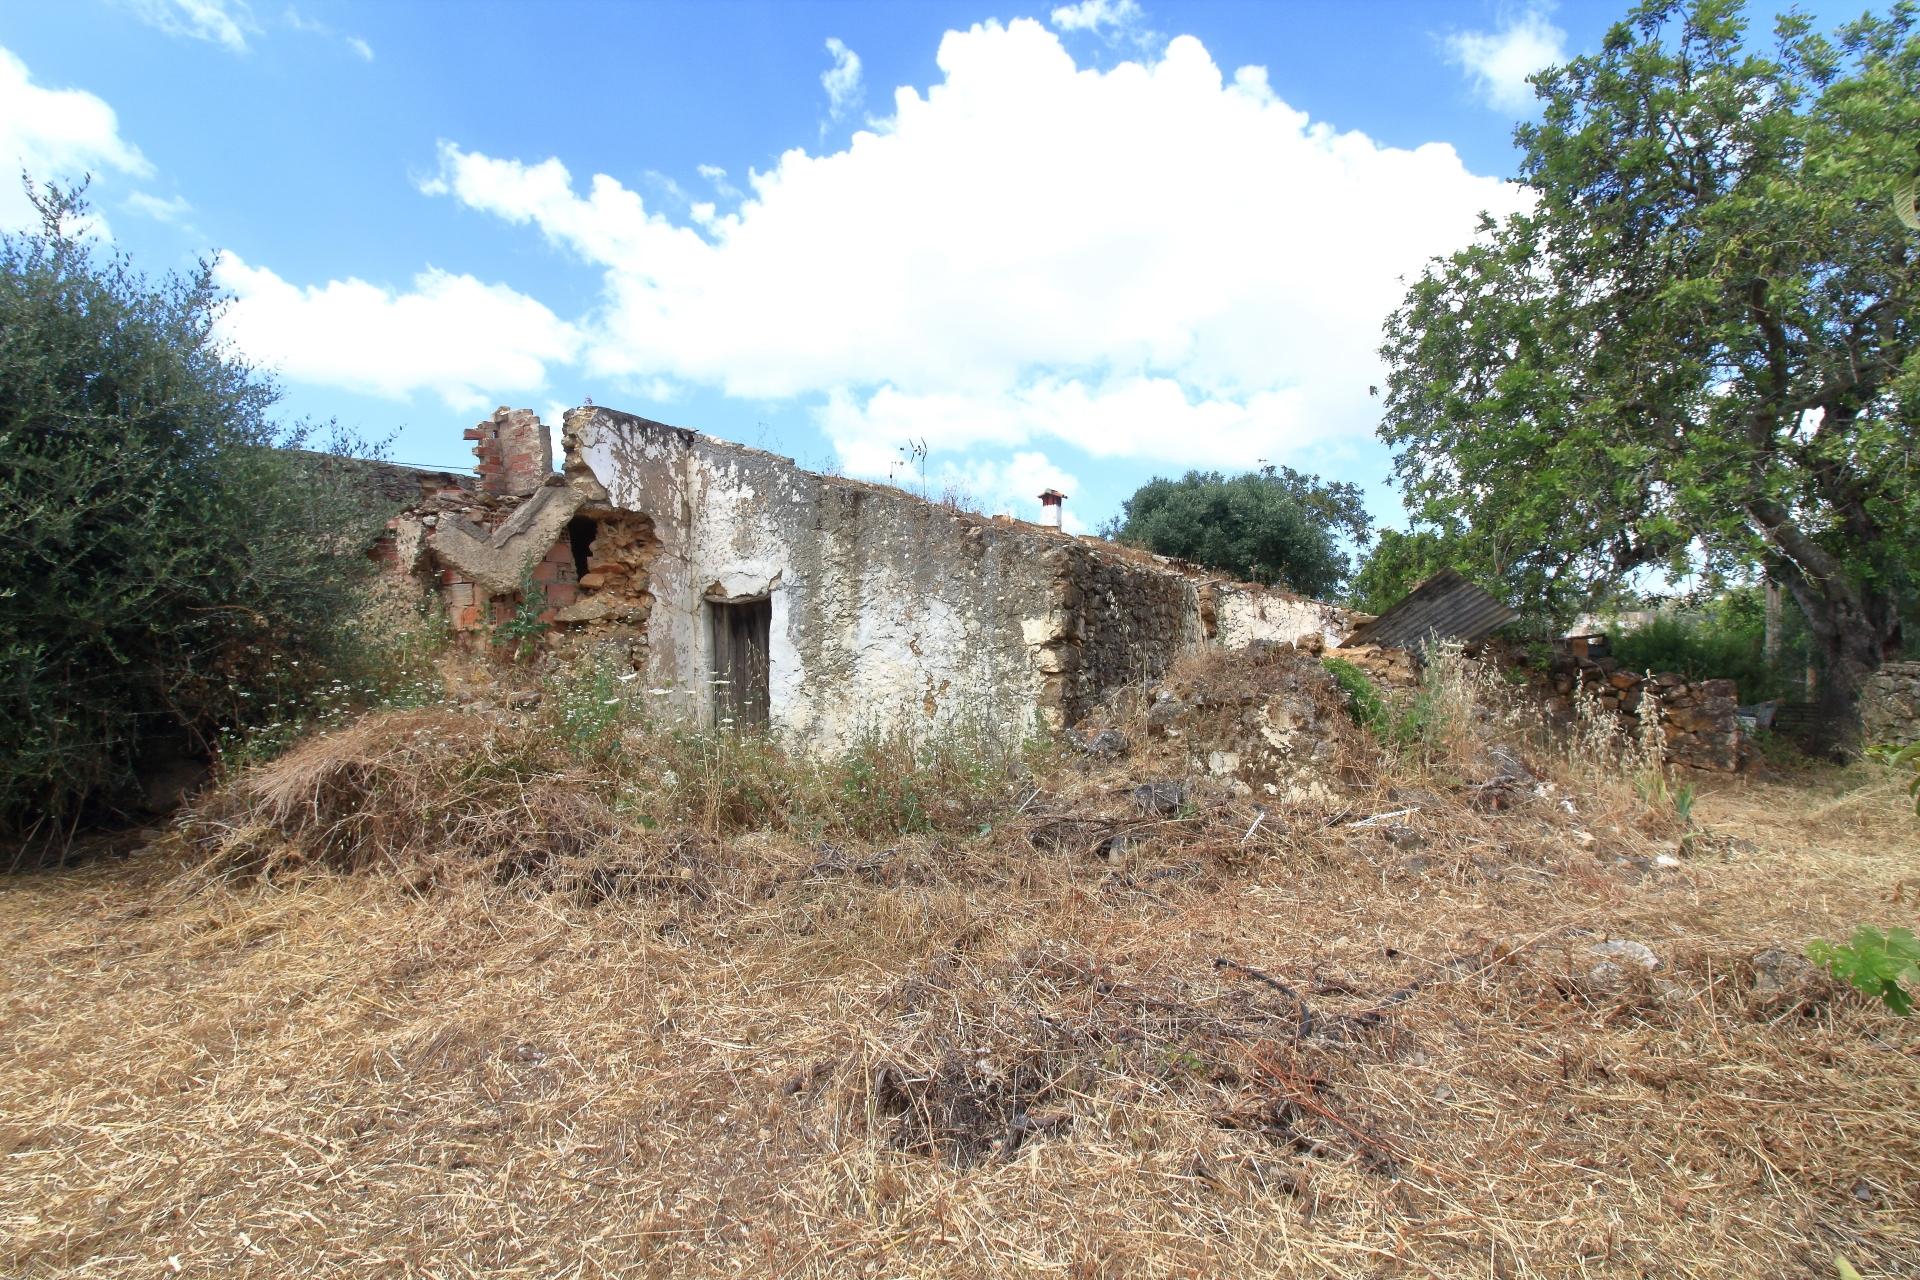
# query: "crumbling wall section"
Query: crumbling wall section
{"points": [[887, 611], [515, 452], [1242, 615], [1890, 704], [1110, 622], [1699, 719]]}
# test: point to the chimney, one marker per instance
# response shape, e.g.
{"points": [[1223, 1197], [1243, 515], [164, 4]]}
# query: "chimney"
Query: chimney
{"points": [[1050, 508]]}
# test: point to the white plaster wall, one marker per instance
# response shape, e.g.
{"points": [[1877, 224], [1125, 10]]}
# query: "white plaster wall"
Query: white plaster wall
{"points": [[895, 651], [1243, 615]]}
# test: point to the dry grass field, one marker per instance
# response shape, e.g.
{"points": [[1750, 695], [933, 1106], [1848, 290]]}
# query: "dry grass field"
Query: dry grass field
{"points": [[407, 1003]]}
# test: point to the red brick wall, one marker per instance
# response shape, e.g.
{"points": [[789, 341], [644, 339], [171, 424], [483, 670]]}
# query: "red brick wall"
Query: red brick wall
{"points": [[514, 452]]}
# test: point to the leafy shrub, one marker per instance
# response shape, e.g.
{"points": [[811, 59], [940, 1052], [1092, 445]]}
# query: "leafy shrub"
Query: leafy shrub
{"points": [[1907, 757], [1885, 966], [1271, 525], [170, 569], [1725, 639]]}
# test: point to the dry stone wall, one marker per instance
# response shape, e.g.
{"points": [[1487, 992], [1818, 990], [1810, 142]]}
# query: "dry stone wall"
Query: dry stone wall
{"points": [[1890, 704], [1699, 719]]}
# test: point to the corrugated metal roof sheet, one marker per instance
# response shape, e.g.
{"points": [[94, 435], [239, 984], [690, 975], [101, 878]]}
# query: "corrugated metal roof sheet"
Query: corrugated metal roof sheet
{"points": [[1446, 605]]}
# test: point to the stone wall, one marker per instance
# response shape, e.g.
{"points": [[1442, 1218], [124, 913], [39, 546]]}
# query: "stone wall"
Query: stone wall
{"points": [[886, 609], [1699, 719], [1890, 704]]}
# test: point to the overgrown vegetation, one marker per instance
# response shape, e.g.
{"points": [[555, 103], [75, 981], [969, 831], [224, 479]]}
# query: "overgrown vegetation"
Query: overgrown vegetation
{"points": [[1722, 638], [1274, 526], [168, 570], [619, 996], [595, 771], [1901, 757]]}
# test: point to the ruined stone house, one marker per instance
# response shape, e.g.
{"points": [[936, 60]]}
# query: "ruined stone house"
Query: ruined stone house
{"points": [[742, 588]]}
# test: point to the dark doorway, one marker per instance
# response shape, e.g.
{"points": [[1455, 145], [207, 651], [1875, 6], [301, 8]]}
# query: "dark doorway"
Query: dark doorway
{"points": [[741, 667], [581, 531]]}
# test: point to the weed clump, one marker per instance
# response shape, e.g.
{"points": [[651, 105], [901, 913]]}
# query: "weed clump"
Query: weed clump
{"points": [[589, 777]]}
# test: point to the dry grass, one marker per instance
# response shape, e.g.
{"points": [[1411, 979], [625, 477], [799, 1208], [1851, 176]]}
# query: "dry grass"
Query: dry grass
{"points": [[786, 1051]]}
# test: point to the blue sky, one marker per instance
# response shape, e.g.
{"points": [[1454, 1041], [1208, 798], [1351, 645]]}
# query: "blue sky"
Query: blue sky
{"points": [[1062, 245]]}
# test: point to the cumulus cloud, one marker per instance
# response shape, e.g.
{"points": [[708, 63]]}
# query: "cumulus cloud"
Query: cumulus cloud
{"points": [[1158, 262], [842, 79], [223, 22], [1093, 15], [467, 341], [54, 134], [1498, 62]]}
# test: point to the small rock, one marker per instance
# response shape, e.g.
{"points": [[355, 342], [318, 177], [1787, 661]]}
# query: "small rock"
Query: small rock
{"points": [[1165, 712], [1638, 954], [1107, 743], [1619, 961], [524, 700], [1777, 970], [1222, 764], [1160, 799]]}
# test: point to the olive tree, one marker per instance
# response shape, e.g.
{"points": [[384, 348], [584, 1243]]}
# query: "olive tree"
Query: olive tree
{"points": [[164, 558]]}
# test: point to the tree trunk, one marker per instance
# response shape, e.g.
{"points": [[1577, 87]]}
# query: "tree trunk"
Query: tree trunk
{"points": [[1850, 646], [1852, 625]]}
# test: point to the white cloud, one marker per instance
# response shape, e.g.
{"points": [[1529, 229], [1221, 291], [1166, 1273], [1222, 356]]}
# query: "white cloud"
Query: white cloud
{"points": [[173, 210], [1153, 262], [57, 134], [300, 22], [466, 341], [842, 79], [1007, 486], [226, 22], [717, 176], [1499, 62], [1092, 15]]}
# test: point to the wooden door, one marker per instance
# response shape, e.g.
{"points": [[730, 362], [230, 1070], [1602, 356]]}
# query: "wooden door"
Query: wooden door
{"points": [[741, 666]]}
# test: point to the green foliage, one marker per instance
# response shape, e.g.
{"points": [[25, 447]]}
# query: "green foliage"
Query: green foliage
{"points": [[520, 634], [1725, 639], [1624, 375], [1397, 564], [1274, 525], [163, 563], [377, 661], [1423, 722], [1364, 703], [588, 706], [1885, 966], [1907, 757]]}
